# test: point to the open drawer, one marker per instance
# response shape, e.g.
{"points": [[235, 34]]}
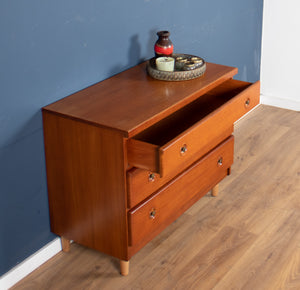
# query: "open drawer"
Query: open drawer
{"points": [[189, 133]]}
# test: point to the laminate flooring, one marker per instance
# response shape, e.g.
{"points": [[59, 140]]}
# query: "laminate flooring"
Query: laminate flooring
{"points": [[246, 238]]}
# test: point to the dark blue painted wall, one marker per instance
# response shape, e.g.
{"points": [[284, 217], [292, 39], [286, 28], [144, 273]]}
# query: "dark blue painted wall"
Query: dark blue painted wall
{"points": [[50, 49]]}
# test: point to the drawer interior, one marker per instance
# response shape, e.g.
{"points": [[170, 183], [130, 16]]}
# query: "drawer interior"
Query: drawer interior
{"points": [[170, 127]]}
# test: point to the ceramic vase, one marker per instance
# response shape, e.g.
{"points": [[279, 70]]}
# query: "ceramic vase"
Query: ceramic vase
{"points": [[163, 46]]}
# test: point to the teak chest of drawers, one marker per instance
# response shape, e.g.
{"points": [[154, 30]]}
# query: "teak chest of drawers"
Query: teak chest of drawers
{"points": [[127, 156]]}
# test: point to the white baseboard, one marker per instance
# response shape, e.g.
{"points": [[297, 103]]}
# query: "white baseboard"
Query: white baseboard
{"points": [[30, 264], [281, 103]]}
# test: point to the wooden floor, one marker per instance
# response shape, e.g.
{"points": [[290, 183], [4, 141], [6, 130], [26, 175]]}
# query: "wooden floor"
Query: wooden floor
{"points": [[246, 238]]}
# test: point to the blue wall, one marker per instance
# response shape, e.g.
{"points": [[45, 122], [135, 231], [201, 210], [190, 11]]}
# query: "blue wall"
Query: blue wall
{"points": [[50, 49]]}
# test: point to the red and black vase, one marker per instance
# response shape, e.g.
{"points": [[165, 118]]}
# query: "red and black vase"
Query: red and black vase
{"points": [[163, 46]]}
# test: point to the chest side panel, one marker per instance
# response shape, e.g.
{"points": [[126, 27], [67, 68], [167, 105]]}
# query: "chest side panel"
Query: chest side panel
{"points": [[86, 184]]}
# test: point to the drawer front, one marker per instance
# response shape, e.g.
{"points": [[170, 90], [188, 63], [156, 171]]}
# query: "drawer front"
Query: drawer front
{"points": [[142, 183], [162, 208], [201, 137]]}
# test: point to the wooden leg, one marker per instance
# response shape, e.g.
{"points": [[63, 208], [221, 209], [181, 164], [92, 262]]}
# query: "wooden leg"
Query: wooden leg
{"points": [[124, 266], [229, 171], [215, 190], [65, 244]]}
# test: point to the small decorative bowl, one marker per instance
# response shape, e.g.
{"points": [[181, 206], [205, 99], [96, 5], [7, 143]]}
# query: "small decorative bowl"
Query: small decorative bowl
{"points": [[180, 61], [189, 65], [197, 60]]}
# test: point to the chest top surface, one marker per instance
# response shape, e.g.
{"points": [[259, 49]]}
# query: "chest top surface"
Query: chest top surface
{"points": [[132, 101]]}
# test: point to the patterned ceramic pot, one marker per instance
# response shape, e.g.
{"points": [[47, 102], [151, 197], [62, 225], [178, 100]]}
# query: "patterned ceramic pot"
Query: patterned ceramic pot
{"points": [[163, 46]]}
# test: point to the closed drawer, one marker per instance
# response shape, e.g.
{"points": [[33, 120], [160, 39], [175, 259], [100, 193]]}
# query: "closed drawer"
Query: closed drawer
{"points": [[142, 183], [163, 207], [186, 135]]}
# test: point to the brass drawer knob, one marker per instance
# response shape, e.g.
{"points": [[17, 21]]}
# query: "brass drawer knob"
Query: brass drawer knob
{"points": [[151, 177], [152, 213], [247, 103], [220, 161], [183, 149]]}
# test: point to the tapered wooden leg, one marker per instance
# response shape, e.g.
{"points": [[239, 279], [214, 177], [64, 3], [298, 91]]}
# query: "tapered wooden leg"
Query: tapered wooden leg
{"points": [[229, 171], [65, 244], [215, 190], [124, 266]]}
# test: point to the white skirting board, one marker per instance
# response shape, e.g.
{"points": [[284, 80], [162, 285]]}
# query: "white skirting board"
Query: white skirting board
{"points": [[280, 102], [30, 264]]}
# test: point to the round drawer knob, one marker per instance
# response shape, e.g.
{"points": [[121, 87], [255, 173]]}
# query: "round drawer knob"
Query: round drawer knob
{"points": [[151, 177], [183, 149], [220, 161], [247, 103], [152, 213]]}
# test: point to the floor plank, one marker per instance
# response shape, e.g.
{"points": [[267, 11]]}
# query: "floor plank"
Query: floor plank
{"points": [[258, 268], [220, 253], [289, 277]]}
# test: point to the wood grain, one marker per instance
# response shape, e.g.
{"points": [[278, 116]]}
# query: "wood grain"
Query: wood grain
{"points": [[257, 210], [143, 155], [200, 127], [289, 278], [109, 103], [259, 264], [86, 184], [201, 269], [139, 186]]}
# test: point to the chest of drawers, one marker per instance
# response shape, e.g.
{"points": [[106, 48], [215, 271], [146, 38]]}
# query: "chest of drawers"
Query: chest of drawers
{"points": [[127, 156]]}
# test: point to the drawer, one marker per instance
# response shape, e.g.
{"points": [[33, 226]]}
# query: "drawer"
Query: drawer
{"points": [[142, 183], [186, 135], [162, 208]]}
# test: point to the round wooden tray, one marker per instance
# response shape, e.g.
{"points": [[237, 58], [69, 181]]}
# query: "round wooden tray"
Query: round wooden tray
{"points": [[177, 75]]}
